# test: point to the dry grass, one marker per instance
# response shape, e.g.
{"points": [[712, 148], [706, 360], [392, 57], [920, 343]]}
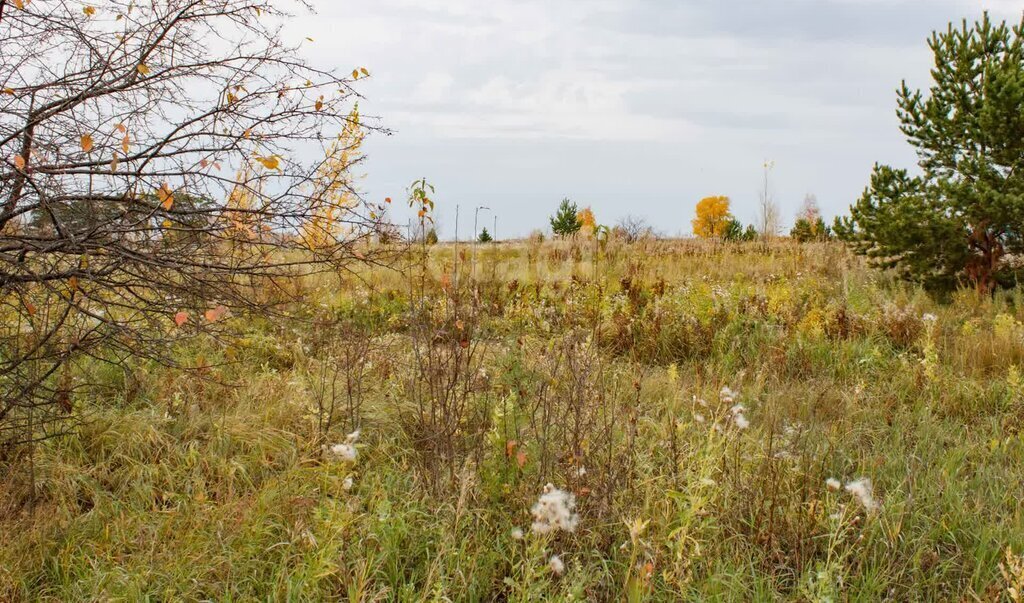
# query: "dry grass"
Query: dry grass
{"points": [[486, 373]]}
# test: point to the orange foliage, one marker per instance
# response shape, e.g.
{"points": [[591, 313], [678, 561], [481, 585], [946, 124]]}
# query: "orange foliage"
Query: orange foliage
{"points": [[588, 223]]}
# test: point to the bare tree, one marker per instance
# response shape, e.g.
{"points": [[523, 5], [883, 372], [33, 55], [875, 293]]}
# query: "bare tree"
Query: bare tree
{"points": [[809, 209], [152, 181], [769, 214], [633, 228]]}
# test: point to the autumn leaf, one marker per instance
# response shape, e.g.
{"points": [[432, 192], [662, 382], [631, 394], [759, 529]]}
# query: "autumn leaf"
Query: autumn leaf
{"points": [[9, 91], [143, 69], [86, 143], [180, 318], [319, 104], [19, 163], [166, 196], [521, 458], [89, 11], [215, 314], [355, 74], [126, 144], [73, 283], [122, 128], [387, 199], [21, 4], [31, 308], [113, 163], [364, 71], [271, 163], [510, 448]]}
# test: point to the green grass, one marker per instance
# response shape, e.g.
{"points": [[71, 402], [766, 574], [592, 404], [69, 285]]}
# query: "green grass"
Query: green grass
{"points": [[213, 486]]}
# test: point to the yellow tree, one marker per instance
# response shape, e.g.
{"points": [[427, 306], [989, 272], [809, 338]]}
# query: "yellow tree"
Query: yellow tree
{"points": [[334, 196], [713, 217], [242, 206], [588, 223]]}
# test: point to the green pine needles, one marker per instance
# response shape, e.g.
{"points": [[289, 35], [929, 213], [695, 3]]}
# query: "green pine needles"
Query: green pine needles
{"points": [[961, 220], [566, 222]]}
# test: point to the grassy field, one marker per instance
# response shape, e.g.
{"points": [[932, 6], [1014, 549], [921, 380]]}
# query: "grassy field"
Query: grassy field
{"points": [[716, 422]]}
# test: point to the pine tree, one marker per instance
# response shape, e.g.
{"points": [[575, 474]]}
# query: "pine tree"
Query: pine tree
{"points": [[806, 230], [485, 237], [565, 222], [733, 231], [964, 215]]}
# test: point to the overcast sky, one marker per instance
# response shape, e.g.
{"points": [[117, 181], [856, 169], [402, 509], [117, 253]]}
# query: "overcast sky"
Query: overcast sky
{"points": [[631, 106]]}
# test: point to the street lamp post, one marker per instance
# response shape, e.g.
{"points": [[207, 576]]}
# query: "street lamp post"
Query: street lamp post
{"points": [[476, 215]]}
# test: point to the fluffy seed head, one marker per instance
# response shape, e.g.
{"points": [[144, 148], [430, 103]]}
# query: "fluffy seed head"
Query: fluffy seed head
{"points": [[554, 510], [861, 490], [556, 565], [343, 452]]}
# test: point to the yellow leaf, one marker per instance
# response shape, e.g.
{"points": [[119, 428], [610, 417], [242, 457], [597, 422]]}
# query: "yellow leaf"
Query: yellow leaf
{"points": [[9, 91], [364, 71], [21, 3], [86, 143], [89, 11], [122, 128], [143, 69], [125, 144], [319, 104], [271, 163], [355, 74], [19, 162], [113, 163]]}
